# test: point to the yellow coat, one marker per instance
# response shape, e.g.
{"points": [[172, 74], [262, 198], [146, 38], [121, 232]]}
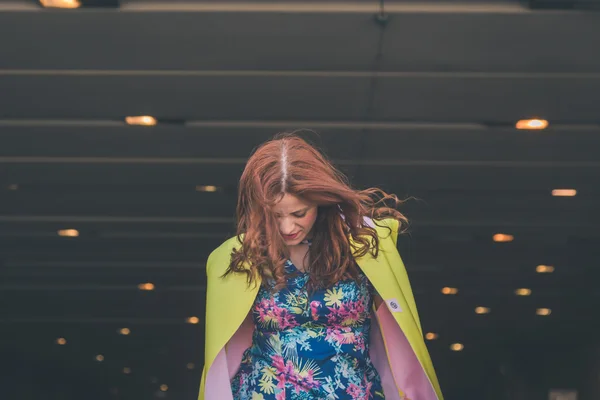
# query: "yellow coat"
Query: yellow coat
{"points": [[406, 365]]}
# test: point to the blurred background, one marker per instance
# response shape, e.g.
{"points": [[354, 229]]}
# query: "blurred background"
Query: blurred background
{"points": [[124, 127]]}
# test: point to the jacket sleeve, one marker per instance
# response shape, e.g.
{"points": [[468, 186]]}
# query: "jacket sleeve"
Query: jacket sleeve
{"points": [[390, 248]]}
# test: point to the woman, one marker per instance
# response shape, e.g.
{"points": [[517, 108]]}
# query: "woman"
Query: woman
{"points": [[311, 299]]}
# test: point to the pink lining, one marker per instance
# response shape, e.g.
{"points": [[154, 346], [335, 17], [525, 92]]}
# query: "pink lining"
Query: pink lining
{"points": [[406, 368], [380, 361], [241, 340]]}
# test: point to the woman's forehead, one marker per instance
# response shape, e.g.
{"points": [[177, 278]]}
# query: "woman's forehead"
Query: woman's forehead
{"points": [[290, 204]]}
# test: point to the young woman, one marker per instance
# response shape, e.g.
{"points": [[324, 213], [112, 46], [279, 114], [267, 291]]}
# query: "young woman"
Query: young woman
{"points": [[311, 299]]}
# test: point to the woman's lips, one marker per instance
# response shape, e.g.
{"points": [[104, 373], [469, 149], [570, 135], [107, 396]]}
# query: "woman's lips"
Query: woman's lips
{"points": [[291, 237]]}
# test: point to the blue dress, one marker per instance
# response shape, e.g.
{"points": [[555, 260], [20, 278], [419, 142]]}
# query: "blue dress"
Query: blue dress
{"points": [[309, 347]]}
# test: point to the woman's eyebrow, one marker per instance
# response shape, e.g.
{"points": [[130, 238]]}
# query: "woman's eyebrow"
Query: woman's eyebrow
{"points": [[301, 210]]}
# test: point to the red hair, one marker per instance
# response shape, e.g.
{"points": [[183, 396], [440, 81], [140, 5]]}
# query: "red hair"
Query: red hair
{"points": [[288, 164]]}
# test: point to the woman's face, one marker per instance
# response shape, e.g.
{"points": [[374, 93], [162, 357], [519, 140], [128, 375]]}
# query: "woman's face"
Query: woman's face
{"points": [[295, 218]]}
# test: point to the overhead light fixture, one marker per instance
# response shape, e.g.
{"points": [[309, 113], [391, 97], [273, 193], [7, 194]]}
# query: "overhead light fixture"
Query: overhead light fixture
{"points": [[146, 286], [206, 188], [192, 320], [124, 331], [60, 3], [126, 370], [68, 233], [61, 341], [532, 124], [72, 4], [482, 310], [457, 346], [449, 290], [431, 336], [99, 358], [164, 388], [564, 192], [544, 269], [142, 120], [523, 292], [543, 311], [503, 238]]}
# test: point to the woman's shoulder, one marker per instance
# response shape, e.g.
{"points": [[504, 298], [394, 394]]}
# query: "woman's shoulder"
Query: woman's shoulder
{"points": [[219, 259], [387, 228]]}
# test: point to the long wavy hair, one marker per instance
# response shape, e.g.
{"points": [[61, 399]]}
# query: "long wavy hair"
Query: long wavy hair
{"points": [[289, 164]]}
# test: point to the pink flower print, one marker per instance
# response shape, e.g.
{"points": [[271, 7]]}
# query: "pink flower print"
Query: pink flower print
{"points": [[368, 387], [280, 395], [314, 309], [342, 335], [287, 373], [354, 391], [270, 314]]}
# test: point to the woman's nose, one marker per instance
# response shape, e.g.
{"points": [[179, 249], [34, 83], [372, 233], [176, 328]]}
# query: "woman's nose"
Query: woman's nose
{"points": [[286, 227]]}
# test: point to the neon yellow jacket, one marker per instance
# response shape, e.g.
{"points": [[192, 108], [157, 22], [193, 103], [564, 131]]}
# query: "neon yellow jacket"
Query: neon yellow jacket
{"points": [[397, 347]]}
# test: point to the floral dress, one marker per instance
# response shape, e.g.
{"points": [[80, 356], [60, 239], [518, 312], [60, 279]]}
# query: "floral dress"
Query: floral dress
{"points": [[309, 347]]}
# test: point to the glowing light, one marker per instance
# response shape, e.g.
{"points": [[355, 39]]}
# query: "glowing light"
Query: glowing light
{"points": [[193, 320], [164, 388], [523, 292], [482, 310], [142, 120], [146, 286], [544, 269], [99, 358], [543, 311], [431, 336], [457, 347], [449, 290], [60, 3], [124, 331], [564, 192], [62, 341], [503, 238], [532, 124], [68, 233], [206, 188]]}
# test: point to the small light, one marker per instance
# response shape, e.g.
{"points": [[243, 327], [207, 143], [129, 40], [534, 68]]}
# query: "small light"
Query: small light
{"points": [[523, 292], [13, 187], [164, 388], [99, 358], [142, 120], [206, 188], [62, 341], [482, 310], [190, 366], [532, 124], [543, 311], [564, 192], [544, 269], [457, 347], [146, 286], [68, 233], [127, 370], [193, 320], [449, 290], [503, 238], [431, 336], [124, 331], [60, 3]]}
